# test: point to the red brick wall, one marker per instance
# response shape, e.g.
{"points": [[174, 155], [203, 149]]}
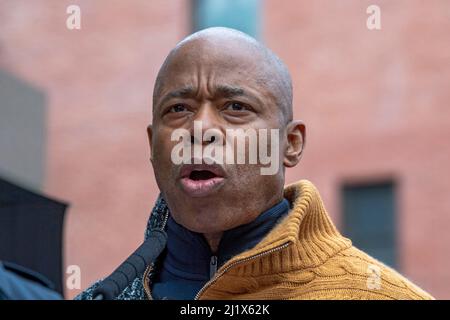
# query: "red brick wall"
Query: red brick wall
{"points": [[99, 84], [374, 103]]}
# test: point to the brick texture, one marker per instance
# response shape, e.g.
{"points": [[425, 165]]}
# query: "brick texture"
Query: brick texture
{"points": [[375, 104]]}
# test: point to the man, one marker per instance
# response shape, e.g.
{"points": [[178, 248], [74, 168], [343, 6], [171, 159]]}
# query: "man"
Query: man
{"points": [[235, 232]]}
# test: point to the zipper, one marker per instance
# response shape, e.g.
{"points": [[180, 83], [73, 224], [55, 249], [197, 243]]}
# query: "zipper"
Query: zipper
{"points": [[212, 266], [213, 280], [145, 279], [146, 283]]}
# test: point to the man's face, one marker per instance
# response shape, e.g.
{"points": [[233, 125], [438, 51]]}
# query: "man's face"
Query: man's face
{"points": [[221, 88]]}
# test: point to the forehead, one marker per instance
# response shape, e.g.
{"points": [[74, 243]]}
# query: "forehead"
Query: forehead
{"points": [[200, 62]]}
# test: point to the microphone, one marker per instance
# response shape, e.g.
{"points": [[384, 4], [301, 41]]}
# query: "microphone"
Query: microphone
{"points": [[133, 267]]}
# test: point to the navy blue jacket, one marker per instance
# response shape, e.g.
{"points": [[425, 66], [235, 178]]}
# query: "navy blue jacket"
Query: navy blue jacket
{"points": [[170, 286], [188, 262]]}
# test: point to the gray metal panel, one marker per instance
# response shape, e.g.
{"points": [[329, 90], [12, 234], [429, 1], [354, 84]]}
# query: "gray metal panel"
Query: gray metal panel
{"points": [[22, 132], [370, 219]]}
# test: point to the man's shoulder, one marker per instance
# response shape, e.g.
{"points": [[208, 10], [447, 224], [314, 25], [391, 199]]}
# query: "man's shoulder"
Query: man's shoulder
{"points": [[364, 277]]}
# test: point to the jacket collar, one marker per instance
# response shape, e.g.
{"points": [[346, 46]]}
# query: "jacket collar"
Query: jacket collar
{"points": [[307, 236], [188, 255]]}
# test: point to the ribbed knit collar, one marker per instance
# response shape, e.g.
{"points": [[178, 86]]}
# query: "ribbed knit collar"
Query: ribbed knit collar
{"points": [[188, 255], [305, 238]]}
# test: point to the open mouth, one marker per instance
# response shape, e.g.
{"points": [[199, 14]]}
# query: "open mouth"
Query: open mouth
{"points": [[201, 180], [201, 175]]}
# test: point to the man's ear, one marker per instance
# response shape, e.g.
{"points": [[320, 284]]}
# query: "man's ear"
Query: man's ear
{"points": [[150, 134], [295, 133]]}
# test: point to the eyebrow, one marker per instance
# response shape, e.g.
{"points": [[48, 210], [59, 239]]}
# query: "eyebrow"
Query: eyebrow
{"points": [[182, 92], [226, 91]]}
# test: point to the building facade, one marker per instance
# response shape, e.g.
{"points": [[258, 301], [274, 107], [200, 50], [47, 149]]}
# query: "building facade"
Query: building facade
{"points": [[374, 102]]}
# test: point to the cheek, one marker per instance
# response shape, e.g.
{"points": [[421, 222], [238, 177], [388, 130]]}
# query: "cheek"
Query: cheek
{"points": [[161, 161], [162, 147], [246, 176]]}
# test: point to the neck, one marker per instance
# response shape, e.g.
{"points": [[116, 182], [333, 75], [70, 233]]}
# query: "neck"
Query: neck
{"points": [[192, 258], [186, 247], [213, 240]]}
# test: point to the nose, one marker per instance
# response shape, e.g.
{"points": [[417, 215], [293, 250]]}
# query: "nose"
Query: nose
{"points": [[205, 121], [206, 141]]}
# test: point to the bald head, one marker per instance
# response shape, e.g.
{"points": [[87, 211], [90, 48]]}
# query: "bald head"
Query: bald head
{"points": [[232, 50]]}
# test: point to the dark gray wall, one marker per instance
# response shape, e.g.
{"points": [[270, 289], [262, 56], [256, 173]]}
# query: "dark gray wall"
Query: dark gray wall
{"points": [[22, 132]]}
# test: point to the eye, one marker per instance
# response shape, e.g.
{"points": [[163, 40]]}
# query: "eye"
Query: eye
{"points": [[236, 106], [178, 108]]}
